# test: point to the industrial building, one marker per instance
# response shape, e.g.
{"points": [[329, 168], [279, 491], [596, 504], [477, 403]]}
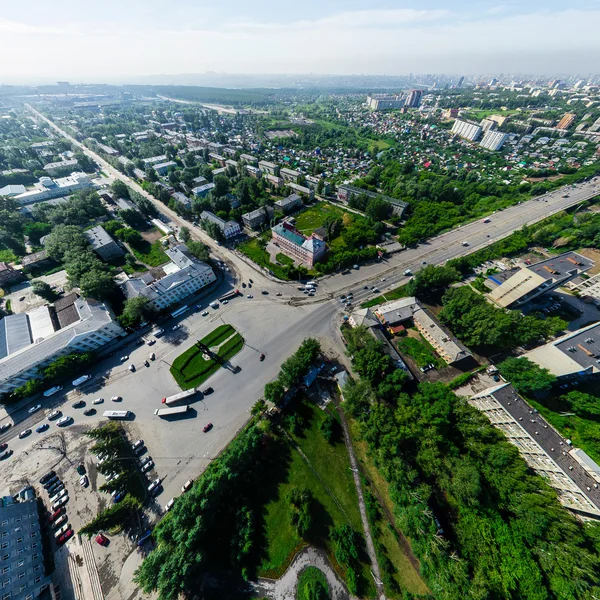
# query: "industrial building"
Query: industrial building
{"points": [[570, 471], [515, 287], [48, 188]]}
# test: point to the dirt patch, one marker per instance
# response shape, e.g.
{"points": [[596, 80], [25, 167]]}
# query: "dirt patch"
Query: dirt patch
{"points": [[538, 179], [152, 235]]}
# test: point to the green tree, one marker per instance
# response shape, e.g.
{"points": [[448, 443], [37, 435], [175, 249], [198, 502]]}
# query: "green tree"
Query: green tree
{"points": [[221, 186], [583, 404], [120, 189], [36, 230], [198, 250], [274, 391], [378, 209], [301, 502], [526, 376], [136, 311], [63, 239], [43, 290], [431, 279], [184, 234], [98, 284]]}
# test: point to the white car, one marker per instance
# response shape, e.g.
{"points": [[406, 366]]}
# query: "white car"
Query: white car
{"points": [[124, 358], [205, 313], [408, 272], [225, 302], [176, 327], [465, 243], [54, 415], [83, 481], [98, 401], [149, 465], [169, 504], [116, 398], [187, 485], [64, 421], [249, 296], [150, 341], [154, 485], [34, 409]]}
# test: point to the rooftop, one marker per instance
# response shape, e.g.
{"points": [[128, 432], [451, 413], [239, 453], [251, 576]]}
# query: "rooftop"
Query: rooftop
{"points": [[289, 233], [561, 266], [98, 237]]}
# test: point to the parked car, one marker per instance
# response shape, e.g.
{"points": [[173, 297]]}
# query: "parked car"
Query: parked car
{"points": [[24, 433], [152, 356], [6, 454], [205, 313], [132, 368], [65, 421], [124, 358], [98, 401], [207, 427], [158, 332], [145, 460], [65, 537], [5, 427], [154, 485], [78, 404], [261, 357], [118, 497], [176, 327], [116, 399], [187, 485], [88, 412], [50, 482], [43, 427], [55, 414], [169, 504], [150, 341], [80, 469], [34, 409], [149, 465], [47, 477], [102, 539], [249, 296], [278, 294], [3, 447], [55, 515], [55, 488], [208, 391], [146, 363], [84, 481]]}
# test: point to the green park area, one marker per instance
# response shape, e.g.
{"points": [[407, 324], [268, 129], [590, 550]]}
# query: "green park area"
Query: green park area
{"points": [[254, 249], [191, 367], [316, 216], [420, 350], [322, 468], [152, 255]]}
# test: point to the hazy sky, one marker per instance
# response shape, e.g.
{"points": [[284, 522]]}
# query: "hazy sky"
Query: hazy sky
{"points": [[112, 39]]}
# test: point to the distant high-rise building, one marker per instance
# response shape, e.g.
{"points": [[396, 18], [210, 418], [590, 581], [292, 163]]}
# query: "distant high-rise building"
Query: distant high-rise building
{"points": [[493, 81], [466, 130], [493, 140], [413, 100], [579, 84], [488, 124], [385, 101], [567, 120], [460, 81]]}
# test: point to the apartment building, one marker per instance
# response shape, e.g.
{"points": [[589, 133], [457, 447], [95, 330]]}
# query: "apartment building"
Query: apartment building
{"points": [[31, 341], [58, 167], [305, 250], [183, 276], [287, 205], [413, 100], [570, 471], [268, 167], [256, 218], [103, 244], [493, 140], [385, 101], [22, 573], [466, 130], [567, 120], [289, 175], [229, 228], [163, 167]]}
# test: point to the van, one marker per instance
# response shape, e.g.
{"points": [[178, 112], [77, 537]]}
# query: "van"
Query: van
{"points": [[312, 283]]}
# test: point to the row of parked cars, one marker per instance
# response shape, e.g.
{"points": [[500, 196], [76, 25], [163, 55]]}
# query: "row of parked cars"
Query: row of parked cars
{"points": [[58, 498]]}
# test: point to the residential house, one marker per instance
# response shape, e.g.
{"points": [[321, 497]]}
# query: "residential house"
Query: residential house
{"points": [[268, 167], [202, 190], [302, 190], [230, 229], [59, 167], [8, 275], [289, 175], [345, 192]]}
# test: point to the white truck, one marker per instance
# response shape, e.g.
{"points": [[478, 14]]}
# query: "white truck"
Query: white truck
{"points": [[170, 400], [175, 410]]}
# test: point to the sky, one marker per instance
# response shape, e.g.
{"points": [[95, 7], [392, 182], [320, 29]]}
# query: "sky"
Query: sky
{"points": [[115, 40]]}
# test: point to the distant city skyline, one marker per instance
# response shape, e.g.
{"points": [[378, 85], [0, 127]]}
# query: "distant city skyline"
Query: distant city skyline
{"points": [[126, 39]]}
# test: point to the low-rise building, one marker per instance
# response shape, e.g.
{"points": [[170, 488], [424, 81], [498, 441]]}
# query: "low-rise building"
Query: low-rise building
{"points": [[8, 275], [248, 158], [589, 289], [203, 190], [289, 175], [36, 259], [305, 250], [256, 218], [12, 190], [31, 341], [268, 167], [183, 276], [287, 205], [570, 471], [182, 199], [163, 168], [48, 188], [229, 228], [274, 181], [518, 286], [58, 167], [345, 192], [302, 190], [153, 160], [575, 355], [103, 244], [22, 558]]}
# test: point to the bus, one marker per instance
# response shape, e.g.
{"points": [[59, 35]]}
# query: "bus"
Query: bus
{"points": [[180, 311], [177, 397], [230, 295], [117, 414]]}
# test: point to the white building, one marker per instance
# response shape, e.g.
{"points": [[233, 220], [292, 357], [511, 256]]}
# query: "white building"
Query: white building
{"points": [[183, 276], [57, 167], [31, 341], [493, 140], [229, 228], [162, 168], [48, 188], [466, 130]]}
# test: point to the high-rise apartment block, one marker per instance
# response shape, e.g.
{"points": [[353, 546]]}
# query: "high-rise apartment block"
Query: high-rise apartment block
{"points": [[385, 101], [567, 120], [466, 130], [413, 100], [493, 140]]}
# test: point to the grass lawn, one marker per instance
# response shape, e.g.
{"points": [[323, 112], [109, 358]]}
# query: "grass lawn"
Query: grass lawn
{"points": [[254, 251], [190, 368], [314, 216], [283, 259], [331, 482], [395, 294], [420, 350], [152, 255], [310, 579]]}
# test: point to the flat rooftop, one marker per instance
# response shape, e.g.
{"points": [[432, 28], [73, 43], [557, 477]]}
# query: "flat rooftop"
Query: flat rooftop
{"points": [[561, 266], [583, 346]]}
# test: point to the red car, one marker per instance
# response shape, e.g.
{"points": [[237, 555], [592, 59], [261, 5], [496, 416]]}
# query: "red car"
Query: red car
{"points": [[55, 515], [3, 447], [64, 537], [207, 427], [102, 539]]}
